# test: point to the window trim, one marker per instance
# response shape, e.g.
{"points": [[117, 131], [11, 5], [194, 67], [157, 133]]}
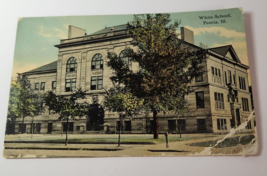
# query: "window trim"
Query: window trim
{"points": [[71, 81], [36, 88], [198, 107], [97, 84], [53, 84], [122, 57], [42, 88], [69, 63], [95, 59]]}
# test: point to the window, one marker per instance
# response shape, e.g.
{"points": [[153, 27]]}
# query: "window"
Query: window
{"points": [[225, 78], [96, 82], [181, 124], [242, 83], [234, 79], [67, 126], [245, 104], [97, 62], [36, 86], [248, 125], [42, 86], [219, 72], [212, 70], [171, 126], [200, 100], [70, 85], [71, 65], [221, 124], [216, 73], [229, 76], [199, 78], [119, 126], [219, 100], [124, 58], [54, 84], [128, 126]]}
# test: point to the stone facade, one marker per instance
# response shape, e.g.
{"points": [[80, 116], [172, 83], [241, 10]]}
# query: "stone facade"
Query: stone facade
{"points": [[211, 109]]}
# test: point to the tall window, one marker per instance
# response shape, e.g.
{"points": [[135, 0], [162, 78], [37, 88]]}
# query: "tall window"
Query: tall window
{"points": [[71, 65], [200, 100], [245, 104], [36, 86], [54, 84], [42, 86], [212, 70], [70, 85], [229, 76], [242, 83], [225, 78], [221, 124], [234, 79], [125, 59], [219, 100], [199, 78], [97, 62], [96, 82]]}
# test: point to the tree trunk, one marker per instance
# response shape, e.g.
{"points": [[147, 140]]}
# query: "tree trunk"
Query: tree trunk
{"points": [[156, 124], [119, 139], [66, 141]]}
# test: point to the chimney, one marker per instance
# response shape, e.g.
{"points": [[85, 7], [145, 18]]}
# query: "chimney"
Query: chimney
{"points": [[75, 32], [187, 35]]}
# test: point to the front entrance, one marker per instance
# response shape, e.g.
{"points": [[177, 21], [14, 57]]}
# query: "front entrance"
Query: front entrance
{"points": [[95, 118]]}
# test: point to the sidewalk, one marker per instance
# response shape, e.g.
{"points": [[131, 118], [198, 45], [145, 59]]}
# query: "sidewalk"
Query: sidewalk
{"points": [[178, 148]]}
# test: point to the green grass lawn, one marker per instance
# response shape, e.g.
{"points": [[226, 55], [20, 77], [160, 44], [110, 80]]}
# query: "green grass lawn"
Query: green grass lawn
{"points": [[229, 142], [131, 139]]}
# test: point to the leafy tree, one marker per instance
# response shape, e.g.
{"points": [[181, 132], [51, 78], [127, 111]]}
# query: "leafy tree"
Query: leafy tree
{"points": [[167, 65], [119, 100], [22, 100], [67, 107]]}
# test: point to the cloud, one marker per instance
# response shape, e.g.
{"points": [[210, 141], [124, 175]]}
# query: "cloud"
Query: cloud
{"points": [[220, 31], [48, 32], [43, 33], [60, 33]]}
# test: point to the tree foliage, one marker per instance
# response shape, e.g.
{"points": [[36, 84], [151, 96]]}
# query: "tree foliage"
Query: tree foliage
{"points": [[166, 64], [23, 101], [68, 107]]}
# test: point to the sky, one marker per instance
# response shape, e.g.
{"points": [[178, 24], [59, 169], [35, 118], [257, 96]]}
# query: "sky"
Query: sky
{"points": [[36, 36]]}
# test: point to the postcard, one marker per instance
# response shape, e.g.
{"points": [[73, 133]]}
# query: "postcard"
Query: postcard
{"points": [[169, 84]]}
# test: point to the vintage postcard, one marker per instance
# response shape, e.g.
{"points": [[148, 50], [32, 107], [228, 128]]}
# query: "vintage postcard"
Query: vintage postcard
{"points": [[170, 84]]}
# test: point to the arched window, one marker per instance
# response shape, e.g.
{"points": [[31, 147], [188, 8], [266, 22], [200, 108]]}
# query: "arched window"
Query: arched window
{"points": [[72, 65], [97, 62], [124, 58]]}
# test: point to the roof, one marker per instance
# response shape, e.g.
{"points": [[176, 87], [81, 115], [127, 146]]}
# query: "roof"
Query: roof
{"points": [[108, 29], [222, 50], [48, 67]]}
